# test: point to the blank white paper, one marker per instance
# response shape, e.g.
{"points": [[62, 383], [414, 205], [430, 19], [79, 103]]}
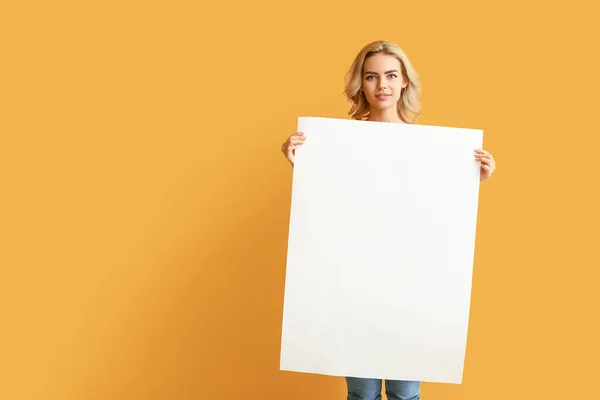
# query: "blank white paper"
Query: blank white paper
{"points": [[380, 250]]}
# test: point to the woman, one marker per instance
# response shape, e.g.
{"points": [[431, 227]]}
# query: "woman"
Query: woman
{"points": [[382, 86]]}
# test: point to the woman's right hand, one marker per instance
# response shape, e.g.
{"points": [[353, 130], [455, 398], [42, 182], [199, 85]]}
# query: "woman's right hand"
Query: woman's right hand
{"points": [[291, 144]]}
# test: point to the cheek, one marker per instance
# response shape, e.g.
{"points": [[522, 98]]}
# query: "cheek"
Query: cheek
{"points": [[398, 91]]}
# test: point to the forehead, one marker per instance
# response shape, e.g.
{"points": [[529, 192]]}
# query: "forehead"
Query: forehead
{"points": [[381, 63]]}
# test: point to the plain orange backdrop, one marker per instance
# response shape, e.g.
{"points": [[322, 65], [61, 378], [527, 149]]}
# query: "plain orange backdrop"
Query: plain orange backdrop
{"points": [[145, 200]]}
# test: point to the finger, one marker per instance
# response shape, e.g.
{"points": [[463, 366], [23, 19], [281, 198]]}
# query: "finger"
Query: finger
{"points": [[485, 157], [482, 151], [481, 156], [490, 164], [296, 139]]}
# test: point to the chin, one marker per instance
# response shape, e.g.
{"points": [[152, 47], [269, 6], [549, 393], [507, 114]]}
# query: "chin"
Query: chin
{"points": [[386, 107]]}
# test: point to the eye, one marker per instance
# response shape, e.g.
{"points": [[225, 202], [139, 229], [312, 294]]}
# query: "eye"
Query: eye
{"points": [[370, 76], [393, 75]]}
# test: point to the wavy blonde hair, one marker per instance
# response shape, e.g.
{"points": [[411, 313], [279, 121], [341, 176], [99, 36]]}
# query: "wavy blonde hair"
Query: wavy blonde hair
{"points": [[409, 104]]}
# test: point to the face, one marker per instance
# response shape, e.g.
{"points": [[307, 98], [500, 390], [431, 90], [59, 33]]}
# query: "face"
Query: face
{"points": [[382, 81]]}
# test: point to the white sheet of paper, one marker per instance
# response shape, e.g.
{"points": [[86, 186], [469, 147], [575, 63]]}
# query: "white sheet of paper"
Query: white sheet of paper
{"points": [[380, 250]]}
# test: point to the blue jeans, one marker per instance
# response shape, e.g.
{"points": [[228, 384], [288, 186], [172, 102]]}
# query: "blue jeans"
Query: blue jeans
{"points": [[370, 389]]}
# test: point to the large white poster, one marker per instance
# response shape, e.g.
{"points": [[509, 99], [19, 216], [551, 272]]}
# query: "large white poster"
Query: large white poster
{"points": [[380, 251]]}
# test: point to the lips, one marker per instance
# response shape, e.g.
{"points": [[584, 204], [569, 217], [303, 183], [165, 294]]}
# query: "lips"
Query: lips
{"points": [[383, 95]]}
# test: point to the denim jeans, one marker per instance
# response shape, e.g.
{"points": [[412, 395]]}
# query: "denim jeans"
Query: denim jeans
{"points": [[370, 389]]}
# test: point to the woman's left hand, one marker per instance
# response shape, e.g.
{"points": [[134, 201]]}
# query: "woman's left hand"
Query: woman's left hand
{"points": [[488, 165]]}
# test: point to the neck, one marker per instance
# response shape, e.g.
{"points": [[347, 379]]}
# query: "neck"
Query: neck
{"points": [[388, 115]]}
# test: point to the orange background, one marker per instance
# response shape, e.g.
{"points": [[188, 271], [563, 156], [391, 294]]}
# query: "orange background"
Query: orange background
{"points": [[145, 200]]}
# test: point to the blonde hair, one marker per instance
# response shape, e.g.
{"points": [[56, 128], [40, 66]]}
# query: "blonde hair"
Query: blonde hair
{"points": [[409, 104]]}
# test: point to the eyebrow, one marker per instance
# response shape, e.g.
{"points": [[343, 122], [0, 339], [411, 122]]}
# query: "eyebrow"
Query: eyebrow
{"points": [[375, 73]]}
